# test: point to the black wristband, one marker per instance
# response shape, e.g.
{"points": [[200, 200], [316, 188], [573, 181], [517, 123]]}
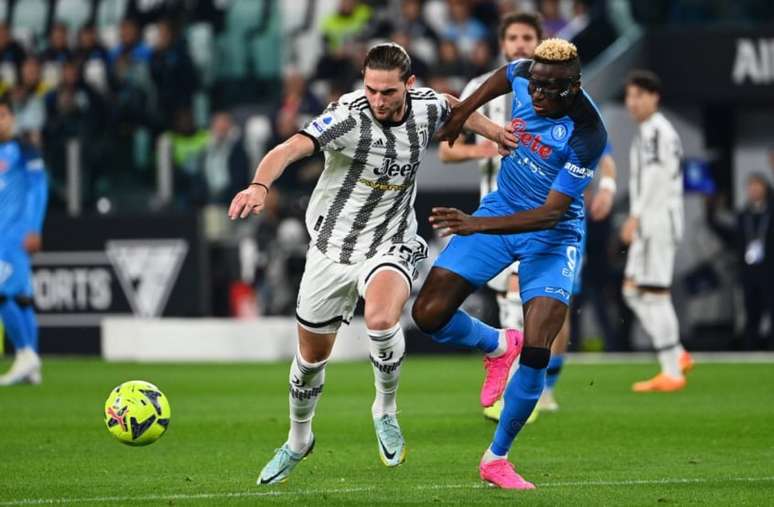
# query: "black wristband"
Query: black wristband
{"points": [[260, 185]]}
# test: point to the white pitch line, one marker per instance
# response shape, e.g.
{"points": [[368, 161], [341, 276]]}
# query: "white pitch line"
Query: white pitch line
{"points": [[344, 491]]}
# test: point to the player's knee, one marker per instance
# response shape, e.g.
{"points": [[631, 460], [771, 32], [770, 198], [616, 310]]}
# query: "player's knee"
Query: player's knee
{"points": [[381, 317], [314, 351], [311, 355], [379, 320], [630, 295], [429, 314], [24, 301]]}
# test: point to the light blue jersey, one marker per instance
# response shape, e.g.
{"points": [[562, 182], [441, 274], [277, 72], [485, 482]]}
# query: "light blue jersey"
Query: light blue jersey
{"points": [[23, 196], [552, 154]]}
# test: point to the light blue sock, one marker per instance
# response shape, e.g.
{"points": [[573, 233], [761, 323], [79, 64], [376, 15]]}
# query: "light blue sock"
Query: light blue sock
{"points": [[15, 325], [464, 331], [31, 324], [554, 369], [520, 398]]}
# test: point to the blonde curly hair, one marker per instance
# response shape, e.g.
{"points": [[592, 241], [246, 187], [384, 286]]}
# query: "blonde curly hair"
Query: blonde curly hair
{"points": [[556, 50]]}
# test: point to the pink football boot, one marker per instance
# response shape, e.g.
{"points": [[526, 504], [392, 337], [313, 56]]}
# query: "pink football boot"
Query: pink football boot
{"points": [[502, 474], [498, 368]]}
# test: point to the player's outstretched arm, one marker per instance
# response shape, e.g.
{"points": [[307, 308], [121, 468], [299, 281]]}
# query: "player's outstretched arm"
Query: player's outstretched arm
{"points": [[453, 221], [462, 151], [483, 126], [251, 199], [496, 85]]}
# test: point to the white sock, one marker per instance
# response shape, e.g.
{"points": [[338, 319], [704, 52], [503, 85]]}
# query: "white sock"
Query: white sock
{"points": [[388, 348], [490, 456], [657, 316], [669, 360], [306, 385], [502, 345], [511, 311]]}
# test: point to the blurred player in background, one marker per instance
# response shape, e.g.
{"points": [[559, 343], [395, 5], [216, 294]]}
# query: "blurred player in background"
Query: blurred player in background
{"points": [[519, 35], [364, 240], [654, 229], [535, 216], [23, 197]]}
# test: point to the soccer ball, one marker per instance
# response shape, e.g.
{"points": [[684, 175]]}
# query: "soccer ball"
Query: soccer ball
{"points": [[137, 413]]}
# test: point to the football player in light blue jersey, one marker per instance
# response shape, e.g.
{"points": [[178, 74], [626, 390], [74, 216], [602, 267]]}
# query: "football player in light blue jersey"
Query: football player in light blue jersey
{"points": [[23, 196], [536, 216]]}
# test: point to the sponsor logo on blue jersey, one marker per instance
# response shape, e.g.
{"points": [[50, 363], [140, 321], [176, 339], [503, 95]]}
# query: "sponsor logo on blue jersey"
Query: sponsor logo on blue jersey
{"points": [[530, 141], [579, 172]]}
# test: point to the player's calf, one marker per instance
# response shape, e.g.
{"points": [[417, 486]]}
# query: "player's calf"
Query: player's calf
{"points": [[306, 386], [441, 295], [388, 350]]}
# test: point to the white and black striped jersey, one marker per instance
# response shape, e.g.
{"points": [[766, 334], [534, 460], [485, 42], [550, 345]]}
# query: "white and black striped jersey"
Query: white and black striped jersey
{"points": [[656, 180], [364, 198], [499, 111]]}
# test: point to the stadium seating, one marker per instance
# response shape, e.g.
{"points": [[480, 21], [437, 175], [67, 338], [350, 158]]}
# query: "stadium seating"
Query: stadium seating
{"points": [[109, 15], [201, 46], [29, 22], [301, 37], [73, 13], [257, 134], [4, 4], [242, 19]]}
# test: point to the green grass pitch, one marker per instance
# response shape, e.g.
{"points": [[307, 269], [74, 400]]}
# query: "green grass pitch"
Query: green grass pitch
{"points": [[712, 444]]}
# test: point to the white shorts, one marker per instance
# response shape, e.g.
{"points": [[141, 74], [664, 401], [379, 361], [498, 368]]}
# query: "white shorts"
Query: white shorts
{"points": [[500, 282], [329, 290], [651, 261]]}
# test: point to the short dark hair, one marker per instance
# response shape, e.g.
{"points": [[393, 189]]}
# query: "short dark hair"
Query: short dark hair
{"points": [[525, 18], [389, 56], [645, 79]]}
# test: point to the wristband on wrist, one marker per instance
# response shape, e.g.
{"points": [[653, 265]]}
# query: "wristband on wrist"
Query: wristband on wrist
{"points": [[608, 183], [260, 185]]}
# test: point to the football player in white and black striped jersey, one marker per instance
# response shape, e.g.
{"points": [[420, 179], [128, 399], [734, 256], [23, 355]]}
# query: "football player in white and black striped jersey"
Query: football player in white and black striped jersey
{"points": [[363, 231]]}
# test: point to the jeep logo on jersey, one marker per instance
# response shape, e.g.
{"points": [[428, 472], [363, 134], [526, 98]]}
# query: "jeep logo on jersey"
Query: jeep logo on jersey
{"points": [[147, 270], [577, 171], [390, 167], [528, 140]]}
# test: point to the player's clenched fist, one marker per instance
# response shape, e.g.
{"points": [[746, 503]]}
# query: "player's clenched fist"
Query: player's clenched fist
{"points": [[506, 140], [249, 200], [453, 221]]}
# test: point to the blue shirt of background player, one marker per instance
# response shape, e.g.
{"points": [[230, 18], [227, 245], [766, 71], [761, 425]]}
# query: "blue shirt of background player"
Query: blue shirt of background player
{"points": [[23, 192], [553, 153]]}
